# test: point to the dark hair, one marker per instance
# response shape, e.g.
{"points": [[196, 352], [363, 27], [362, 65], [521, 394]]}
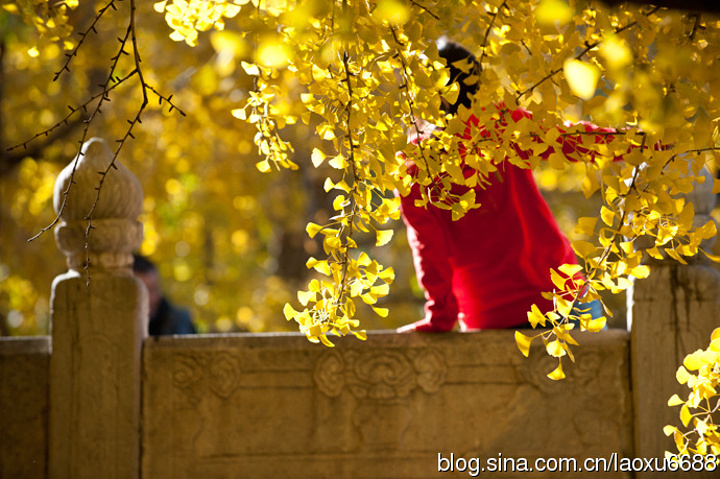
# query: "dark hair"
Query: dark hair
{"points": [[454, 52], [143, 265]]}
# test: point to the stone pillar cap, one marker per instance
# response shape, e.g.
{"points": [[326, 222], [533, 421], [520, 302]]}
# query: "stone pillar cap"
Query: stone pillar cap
{"points": [[121, 195], [98, 225]]}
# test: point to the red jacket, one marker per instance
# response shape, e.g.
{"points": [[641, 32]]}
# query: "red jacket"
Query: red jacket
{"points": [[487, 268]]}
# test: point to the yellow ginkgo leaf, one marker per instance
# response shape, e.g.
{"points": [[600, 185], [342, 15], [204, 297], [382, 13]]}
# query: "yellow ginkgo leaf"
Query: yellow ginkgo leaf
{"points": [[616, 52], [550, 11], [556, 349], [383, 237], [523, 343], [272, 52], [394, 12], [582, 78], [557, 374], [682, 375]]}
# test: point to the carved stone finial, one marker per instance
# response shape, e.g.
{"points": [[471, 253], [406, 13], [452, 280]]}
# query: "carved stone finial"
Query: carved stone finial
{"points": [[111, 212]]}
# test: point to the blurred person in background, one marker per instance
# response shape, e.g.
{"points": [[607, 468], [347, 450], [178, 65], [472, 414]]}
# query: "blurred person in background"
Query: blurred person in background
{"points": [[165, 318]]}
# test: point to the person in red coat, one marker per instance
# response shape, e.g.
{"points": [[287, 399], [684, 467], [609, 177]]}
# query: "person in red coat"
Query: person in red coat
{"points": [[488, 268]]}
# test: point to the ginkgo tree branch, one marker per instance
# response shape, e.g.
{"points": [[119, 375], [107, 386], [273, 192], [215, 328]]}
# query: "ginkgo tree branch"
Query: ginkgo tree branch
{"points": [[493, 17], [579, 56], [346, 231], [425, 9], [83, 36], [414, 119], [102, 96], [111, 83]]}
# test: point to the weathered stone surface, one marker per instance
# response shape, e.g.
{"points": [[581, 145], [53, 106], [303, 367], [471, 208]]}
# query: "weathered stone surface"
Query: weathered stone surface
{"points": [[277, 406], [95, 376], [24, 364], [674, 311]]}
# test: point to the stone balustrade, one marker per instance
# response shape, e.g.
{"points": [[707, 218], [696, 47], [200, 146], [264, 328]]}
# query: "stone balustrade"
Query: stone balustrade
{"points": [[98, 313], [99, 399]]}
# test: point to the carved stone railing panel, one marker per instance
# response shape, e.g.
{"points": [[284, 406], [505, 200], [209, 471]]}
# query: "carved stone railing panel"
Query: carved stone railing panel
{"points": [[278, 406]]}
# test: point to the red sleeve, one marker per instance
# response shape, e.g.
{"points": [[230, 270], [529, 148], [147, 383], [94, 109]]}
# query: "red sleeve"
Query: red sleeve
{"points": [[432, 265], [569, 145]]}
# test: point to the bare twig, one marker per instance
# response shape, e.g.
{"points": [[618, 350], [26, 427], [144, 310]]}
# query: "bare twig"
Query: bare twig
{"points": [[83, 36], [112, 82], [66, 192]]}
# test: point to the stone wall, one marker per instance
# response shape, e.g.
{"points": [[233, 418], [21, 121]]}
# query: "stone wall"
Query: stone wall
{"points": [[278, 406], [259, 406], [24, 407], [109, 403]]}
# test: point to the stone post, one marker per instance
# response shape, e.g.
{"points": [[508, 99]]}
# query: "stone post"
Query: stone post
{"points": [[671, 314], [99, 321]]}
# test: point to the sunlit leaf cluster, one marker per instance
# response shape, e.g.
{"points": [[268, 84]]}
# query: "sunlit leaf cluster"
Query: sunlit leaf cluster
{"points": [[365, 75], [187, 18], [341, 86], [48, 18], [700, 372], [215, 227]]}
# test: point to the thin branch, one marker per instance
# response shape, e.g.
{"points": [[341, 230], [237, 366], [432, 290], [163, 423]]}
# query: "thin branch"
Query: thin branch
{"points": [[66, 120], [347, 231], [131, 32], [588, 47], [83, 36], [84, 136], [168, 99], [411, 103], [487, 31], [9, 161], [110, 84], [424, 8]]}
